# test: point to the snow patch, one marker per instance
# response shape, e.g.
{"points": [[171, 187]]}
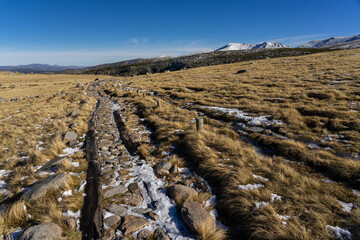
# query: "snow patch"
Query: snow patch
{"points": [[341, 233], [250, 186]]}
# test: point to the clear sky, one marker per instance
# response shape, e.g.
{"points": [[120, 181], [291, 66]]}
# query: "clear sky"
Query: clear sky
{"points": [[89, 32]]}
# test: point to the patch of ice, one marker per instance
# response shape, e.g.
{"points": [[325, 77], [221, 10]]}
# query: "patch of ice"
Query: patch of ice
{"points": [[260, 204], [82, 186], [346, 207], [69, 213], [341, 233], [275, 197], [356, 192], [261, 120], [155, 196], [69, 151], [260, 177], [67, 193], [250, 186], [59, 199], [326, 180], [75, 164]]}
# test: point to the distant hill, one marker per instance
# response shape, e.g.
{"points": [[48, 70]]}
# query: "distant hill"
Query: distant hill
{"points": [[331, 42], [37, 68], [158, 65]]}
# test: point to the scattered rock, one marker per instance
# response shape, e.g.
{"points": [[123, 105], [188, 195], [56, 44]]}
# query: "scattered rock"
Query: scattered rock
{"points": [[159, 234], [80, 85], [162, 167], [117, 209], [141, 210], [114, 191], [133, 199], [2, 99], [70, 223], [111, 221], [241, 71], [144, 234], [153, 216], [110, 181], [109, 236], [132, 224], [75, 113], [44, 231], [180, 193], [72, 143], [40, 188], [193, 214], [134, 188], [70, 135]]}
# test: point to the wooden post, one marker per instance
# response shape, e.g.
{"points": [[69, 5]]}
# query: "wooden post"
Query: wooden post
{"points": [[199, 124], [158, 103]]}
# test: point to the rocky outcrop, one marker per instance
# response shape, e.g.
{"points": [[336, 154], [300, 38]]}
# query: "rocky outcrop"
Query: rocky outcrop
{"points": [[40, 188], [70, 136]]}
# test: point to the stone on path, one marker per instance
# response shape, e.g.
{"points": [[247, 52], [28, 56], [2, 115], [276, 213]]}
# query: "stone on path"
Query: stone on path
{"points": [[132, 224], [134, 188], [117, 209], [44, 231], [144, 234], [193, 215], [180, 193], [112, 220], [133, 199], [159, 234], [114, 191], [162, 167]]}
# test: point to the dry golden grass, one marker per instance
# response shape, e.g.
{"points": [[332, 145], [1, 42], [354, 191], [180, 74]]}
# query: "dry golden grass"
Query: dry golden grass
{"points": [[315, 96], [32, 128]]}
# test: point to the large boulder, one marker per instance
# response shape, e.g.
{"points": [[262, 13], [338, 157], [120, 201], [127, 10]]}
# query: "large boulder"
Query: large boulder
{"points": [[112, 220], [39, 189], [44, 231], [180, 193], [193, 215], [132, 224]]}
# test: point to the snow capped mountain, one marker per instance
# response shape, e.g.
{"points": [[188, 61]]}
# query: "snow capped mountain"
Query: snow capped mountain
{"points": [[245, 46], [330, 42]]}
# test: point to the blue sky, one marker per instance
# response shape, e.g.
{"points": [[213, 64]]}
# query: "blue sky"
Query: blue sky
{"points": [[90, 32]]}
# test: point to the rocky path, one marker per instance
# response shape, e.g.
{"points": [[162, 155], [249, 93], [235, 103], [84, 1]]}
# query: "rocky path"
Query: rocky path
{"points": [[134, 193]]}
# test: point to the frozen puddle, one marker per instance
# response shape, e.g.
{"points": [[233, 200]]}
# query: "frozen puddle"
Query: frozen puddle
{"points": [[255, 121], [155, 195]]}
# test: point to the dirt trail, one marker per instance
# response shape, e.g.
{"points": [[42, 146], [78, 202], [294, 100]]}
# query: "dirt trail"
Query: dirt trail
{"points": [[133, 199]]}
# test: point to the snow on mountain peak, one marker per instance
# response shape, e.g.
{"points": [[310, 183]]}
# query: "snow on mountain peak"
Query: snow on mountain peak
{"points": [[245, 46]]}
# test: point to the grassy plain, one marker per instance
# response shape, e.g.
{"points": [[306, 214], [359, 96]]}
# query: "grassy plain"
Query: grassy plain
{"points": [[303, 179]]}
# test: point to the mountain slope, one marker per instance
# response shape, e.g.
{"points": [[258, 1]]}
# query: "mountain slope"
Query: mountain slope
{"points": [[330, 42]]}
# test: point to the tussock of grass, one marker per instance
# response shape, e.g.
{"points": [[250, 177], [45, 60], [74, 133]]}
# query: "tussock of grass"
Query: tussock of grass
{"points": [[208, 231]]}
